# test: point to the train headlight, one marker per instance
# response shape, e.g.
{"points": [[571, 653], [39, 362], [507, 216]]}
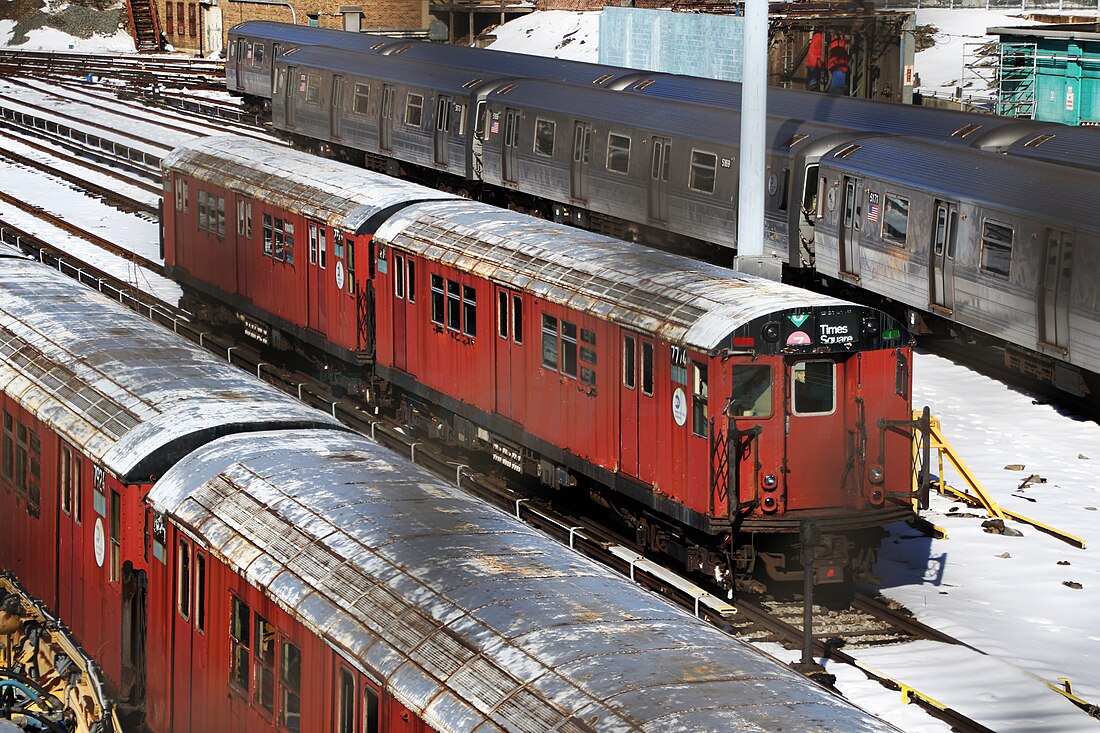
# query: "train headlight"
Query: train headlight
{"points": [[770, 482], [770, 332], [877, 474]]}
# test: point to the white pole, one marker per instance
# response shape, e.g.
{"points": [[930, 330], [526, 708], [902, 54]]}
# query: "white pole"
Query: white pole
{"points": [[750, 191]]}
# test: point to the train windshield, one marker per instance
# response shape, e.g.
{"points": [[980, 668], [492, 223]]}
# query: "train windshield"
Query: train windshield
{"points": [[813, 387]]}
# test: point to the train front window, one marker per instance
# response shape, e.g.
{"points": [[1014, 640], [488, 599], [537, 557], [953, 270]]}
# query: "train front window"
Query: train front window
{"points": [[813, 387], [752, 391]]}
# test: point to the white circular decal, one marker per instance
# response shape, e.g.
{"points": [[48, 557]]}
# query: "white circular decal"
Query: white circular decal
{"points": [[679, 406], [99, 541], [340, 274], [773, 184]]}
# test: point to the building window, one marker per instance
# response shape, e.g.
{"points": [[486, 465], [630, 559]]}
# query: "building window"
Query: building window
{"points": [[183, 580], [549, 342], [895, 219], [544, 137], [752, 391], [996, 247], [437, 299], [618, 153], [169, 24], [269, 236], [179, 19], [290, 675], [265, 664], [469, 311], [647, 368], [192, 25], [699, 418], [361, 100], [813, 386], [703, 168], [414, 110], [454, 305], [240, 626]]}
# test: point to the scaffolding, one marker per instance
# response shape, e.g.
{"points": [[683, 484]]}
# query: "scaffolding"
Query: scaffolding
{"points": [[1006, 73]]}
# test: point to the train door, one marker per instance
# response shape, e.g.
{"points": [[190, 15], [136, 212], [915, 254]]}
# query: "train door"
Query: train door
{"points": [[314, 278], [510, 374], [290, 88], [1054, 296], [180, 664], [819, 447], [336, 109], [658, 180], [944, 239], [578, 171], [637, 408], [442, 128], [400, 337], [385, 118], [850, 226], [508, 145]]}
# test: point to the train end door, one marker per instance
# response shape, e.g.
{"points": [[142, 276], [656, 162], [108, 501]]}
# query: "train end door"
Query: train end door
{"points": [[820, 450]]}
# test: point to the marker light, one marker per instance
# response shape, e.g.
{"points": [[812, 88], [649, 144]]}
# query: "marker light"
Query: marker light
{"points": [[770, 482], [870, 326], [770, 504], [876, 474], [770, 332], [744, 341]]}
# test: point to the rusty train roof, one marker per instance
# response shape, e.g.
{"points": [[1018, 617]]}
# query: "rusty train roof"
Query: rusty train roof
{"points": [[680, 299], [335, 193], [469, 617], [130, 394]]}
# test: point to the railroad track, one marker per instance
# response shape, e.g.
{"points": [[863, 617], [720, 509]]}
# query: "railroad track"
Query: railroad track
{"points": [[177, 71]]}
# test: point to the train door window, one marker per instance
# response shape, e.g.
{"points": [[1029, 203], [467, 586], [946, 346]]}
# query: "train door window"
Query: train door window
{"points": [[454, 305], [116, 536], [244, 218], [443, 114], [77, 491], [280, 81], [240, 642], [647, 368], [810, 192], [549, 342], [265, 664], [410, 271], [34, 493], [582, 134], [618, 153], [437, 299], [941, 230], [414, 110], [179, 193], [813, 387], [337, 91], [849, 203], [588, 356], [630, 368], [370, 710], [99, 496], [662, 151], [200, 592], [399, 276], [544, 137], [479, 120], [511, 131], [895, 219], [345, 701], [21, 459], [996, 247], [288, 244], [751, 394], [469, 311], [502, 314], [387, 101], [312, 235], [183, 579], [460, 113], [699, 417], [221, 216], [322, 247], [66, 480], [784, 189], [269, 235], [290, 678], [704, 167], [517, 319], [349, 262], [569, 349], [360, 104], [202, 210]]}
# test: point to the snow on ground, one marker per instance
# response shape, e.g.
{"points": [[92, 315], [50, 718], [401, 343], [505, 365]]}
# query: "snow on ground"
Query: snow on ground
{"points": [[51, 39]]}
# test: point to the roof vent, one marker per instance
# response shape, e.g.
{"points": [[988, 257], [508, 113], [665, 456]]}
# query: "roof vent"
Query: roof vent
{"points": [[848, 150], [966, 130], [603, 79], [795, 140], [471, 83], [1038, 140], [644, 84]]}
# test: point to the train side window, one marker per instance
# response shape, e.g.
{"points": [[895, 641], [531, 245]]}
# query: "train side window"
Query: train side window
{"points": [[629, 362], [399, 276], [699, 416], [240, 628], [345, 701], [569, 349], [265, 664], [313, 89], [361, 101], [183, 580], [502, 314], [200, 592], [517, 319], [278, 229], [414, 110], [544, 137], [618, 153], [410, 271], [370, 710], [813, 387], [469, 311], [647, 368], [996, 247], [437, 299], [454, 305], [752, 391], [704, 167], [895, 219], [290, 675], [269, 236], [549, 342]]}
